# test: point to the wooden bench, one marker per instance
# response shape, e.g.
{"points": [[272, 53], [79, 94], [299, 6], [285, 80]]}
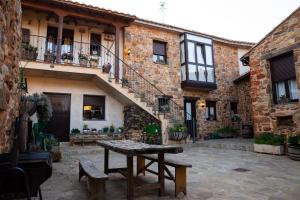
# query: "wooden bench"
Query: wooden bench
{"points": [[180, 170], [95, 178]]}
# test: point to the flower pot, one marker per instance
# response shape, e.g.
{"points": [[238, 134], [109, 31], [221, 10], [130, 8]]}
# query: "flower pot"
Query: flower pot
{"points": [[247, 131], [29, 55], [294, 152], [106, 68], [269, 149], [86, 131], [94, 63], [83, 62]]}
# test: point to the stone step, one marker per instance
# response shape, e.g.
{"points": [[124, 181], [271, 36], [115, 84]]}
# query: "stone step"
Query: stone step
{"points": [[230, 144]]}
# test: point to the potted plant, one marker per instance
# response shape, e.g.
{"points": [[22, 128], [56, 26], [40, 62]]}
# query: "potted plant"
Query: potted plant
{"points": [[226, 132], [94, 61], [94, 131], [83, 59], [125, 82], [49, 57], [269, 143], [294, 147], [52, 145], [75, 131], [178, 132], [29, 52], [106, 68], [67, 58], [235, 118], [153, 132], [111, 130], [85, 129], [105, 129]]}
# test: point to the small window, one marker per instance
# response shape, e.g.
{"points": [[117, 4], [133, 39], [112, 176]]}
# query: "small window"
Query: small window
{"points": [[159, 52], [25, 35], [283, 77], [210, 113], [164, 104], [93, 107]]}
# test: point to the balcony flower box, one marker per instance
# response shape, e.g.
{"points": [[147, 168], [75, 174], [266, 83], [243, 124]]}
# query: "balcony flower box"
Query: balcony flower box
{"points": [[83, 59], [29, 52], [269, 143], [94, 61]]}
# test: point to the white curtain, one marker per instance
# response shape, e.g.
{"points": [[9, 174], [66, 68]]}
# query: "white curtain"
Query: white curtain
{"points": [[293, 89], [280, 90]]}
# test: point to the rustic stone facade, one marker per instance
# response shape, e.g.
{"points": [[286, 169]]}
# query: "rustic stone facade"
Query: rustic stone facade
{"points": [[10, 40], [284, 38], [139, 39]]}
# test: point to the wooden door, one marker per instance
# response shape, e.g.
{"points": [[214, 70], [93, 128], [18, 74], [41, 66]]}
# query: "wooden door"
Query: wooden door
{"points": [[59, 124], [190, 117]]}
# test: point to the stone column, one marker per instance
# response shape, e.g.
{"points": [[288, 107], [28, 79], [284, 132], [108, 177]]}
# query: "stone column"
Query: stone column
{"points": [[59, 36]]}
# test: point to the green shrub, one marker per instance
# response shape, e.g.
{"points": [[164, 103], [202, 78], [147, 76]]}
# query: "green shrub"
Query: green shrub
{"points": [[226, 130], [294, 140], [105, 129], [178, 127], [75, 131], [152, 129], [269, 138], [112, 129]]}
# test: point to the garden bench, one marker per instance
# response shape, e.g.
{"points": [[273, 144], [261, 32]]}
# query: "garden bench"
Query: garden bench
{"points": [[95, 178], [180, 170]]}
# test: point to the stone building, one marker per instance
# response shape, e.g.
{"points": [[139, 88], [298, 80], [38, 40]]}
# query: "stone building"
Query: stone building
{"points": [[10, 35], [275, 78], [99, 67]]}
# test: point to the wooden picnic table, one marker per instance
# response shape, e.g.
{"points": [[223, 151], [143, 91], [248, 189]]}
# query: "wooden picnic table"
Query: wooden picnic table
{"points": [[130, 149]]}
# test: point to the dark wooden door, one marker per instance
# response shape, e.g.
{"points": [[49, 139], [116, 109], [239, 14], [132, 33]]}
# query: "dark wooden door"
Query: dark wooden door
{"points": [[59, 124], [190, 117]]}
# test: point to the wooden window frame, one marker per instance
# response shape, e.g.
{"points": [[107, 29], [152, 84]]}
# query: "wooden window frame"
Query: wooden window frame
{"points": [[104, 107], [157, 55], [211, 104]]}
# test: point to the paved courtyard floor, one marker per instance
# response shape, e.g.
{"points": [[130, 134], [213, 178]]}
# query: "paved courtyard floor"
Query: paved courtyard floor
{"points": [[212, 177]]}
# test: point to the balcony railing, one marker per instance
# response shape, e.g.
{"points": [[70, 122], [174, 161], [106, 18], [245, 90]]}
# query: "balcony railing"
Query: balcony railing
{"points": [[97, 56]]}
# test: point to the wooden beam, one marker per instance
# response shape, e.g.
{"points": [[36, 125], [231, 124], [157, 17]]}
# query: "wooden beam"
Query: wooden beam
{"points": [[59, 11], [59, 37], [117, 52]]}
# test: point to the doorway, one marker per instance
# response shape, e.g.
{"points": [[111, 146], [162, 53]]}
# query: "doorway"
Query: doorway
{"points": [[190, 117], [59, 125]]}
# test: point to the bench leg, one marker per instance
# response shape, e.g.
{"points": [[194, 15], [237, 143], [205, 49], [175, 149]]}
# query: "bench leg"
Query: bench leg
{"points": [[180, 180], [140, 165], [81, 173], [95, 186]]}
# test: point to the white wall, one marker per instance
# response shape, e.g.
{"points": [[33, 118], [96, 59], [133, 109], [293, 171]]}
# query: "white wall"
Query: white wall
{"points": [[113, 108], [242, 69]]}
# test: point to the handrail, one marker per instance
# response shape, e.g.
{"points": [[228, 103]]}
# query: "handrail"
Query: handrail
{"points": [[176, 108]]}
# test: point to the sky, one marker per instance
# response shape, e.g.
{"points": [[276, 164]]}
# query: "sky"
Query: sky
{"points": [[244, 20]]}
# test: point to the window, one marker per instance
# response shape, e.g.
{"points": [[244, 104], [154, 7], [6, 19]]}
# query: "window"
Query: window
{"points": [[25, 35], [93, 107], [95, 46], [283, 77], [210, 113], [164, 104], [159, 52]]}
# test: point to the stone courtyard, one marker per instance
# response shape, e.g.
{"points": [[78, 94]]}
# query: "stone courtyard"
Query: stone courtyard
{"points": [[212, 177]]}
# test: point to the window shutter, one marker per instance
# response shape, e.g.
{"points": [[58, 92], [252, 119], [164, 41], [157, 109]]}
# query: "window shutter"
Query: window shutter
{"points": [[159, 48], [94, 100], [25, 35], [282, 67]]}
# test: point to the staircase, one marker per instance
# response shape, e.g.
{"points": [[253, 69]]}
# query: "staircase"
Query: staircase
{"points": [[133, 87]]}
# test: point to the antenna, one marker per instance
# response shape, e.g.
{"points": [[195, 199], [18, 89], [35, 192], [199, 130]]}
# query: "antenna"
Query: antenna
{"points": [[162, 8]]}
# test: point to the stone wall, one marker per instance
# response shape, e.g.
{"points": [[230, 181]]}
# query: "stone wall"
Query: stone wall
{"points": [[283, 38], [10, 35], [139, 39], [135, 120]]}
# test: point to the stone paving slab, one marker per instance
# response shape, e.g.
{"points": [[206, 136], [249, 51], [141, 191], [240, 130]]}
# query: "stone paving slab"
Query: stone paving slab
{"points": [[211, 178]]}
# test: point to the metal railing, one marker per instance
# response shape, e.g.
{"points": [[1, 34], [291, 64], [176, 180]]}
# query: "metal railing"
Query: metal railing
{"points": [[38, 48]]}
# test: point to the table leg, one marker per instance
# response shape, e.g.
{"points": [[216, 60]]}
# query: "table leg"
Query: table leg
{"points": [[130, 186], [106, 161], [161, 173]]}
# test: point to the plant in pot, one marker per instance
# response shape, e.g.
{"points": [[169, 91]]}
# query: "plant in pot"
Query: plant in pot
{"points": [[269, 143], [75, 131], [294, 147], [52, 145], [153, 133], [83, 59], [106, 68], [49, 57], [125, 82], [29, 52], [105, 130], [94, 131], [67, 58], [226, 132], [85, 129], [178, 132], [94, 61]]}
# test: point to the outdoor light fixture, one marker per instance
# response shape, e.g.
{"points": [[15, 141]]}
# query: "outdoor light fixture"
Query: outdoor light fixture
{"points": [[201, 104], [128, 52]]}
